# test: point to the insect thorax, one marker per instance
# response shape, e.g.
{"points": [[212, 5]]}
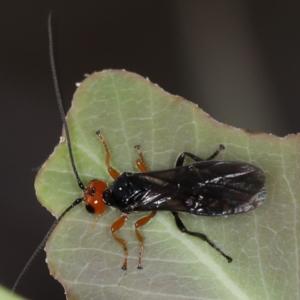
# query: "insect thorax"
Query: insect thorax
{"points": [[124, 193]]}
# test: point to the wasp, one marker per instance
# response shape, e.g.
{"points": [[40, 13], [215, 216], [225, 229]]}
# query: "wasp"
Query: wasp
{"points": [[204, 187]]}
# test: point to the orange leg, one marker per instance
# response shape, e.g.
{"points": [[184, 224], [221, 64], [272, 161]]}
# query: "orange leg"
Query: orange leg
{"points": [[116, 226], [112, 172], [94, 224], [141, 222], [140, 162]]}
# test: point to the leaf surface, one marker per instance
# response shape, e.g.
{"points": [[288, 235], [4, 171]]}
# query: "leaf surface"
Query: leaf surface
{"points": [[9, 295], [130, 110]]}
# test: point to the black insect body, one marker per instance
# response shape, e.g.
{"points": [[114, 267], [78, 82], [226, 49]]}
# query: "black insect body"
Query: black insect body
{"points": [[206, 187]]}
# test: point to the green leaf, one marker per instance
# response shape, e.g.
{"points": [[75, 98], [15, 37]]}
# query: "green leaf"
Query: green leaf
{"points": [[130, 110], [5, 294]]}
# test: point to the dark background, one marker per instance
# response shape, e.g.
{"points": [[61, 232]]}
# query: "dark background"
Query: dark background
{"points": [[239, 60]]}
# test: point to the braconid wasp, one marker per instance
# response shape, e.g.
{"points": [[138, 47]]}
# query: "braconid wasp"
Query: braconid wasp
{"points": [[205, 187]]}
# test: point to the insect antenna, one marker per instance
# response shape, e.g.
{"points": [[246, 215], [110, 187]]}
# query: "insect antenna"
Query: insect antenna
{"points": [[59, 103], [80, 183], [43, 243]]}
